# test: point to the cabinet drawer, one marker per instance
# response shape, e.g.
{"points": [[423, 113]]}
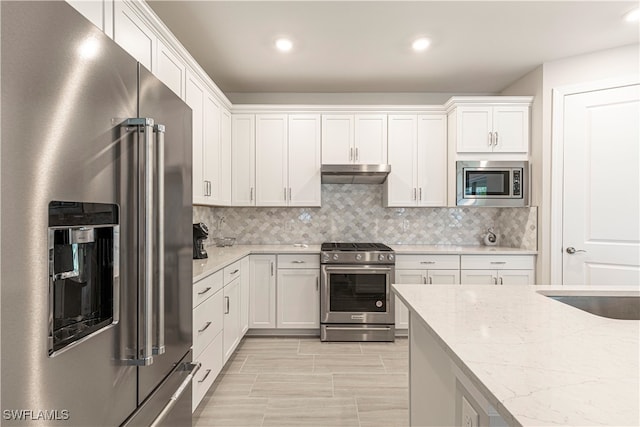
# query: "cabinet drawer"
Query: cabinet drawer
{"points": [[211, 360], [207, 322], [428, 262], [299, 261], [231, 272], [497, 262], [206, 287]]}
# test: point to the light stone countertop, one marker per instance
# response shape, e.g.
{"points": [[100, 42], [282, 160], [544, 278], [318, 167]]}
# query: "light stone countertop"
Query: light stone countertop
{"points": [[536, 360], [221, 257]]}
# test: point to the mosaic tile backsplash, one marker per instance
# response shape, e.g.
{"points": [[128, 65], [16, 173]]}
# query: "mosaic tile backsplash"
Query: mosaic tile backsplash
{"points": [[352, 213]]}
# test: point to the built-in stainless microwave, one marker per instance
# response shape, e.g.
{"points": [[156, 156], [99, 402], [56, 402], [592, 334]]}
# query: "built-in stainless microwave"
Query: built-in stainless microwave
{"points": [[492, 183]]}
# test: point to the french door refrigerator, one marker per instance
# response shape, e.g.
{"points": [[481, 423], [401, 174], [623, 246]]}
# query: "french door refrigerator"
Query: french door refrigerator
{"points": [[96, 239]]}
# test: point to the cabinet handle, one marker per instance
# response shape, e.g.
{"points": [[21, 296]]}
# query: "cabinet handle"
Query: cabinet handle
{"points": [[490, 139], [251, 194], [289, 193], [357, 153], [226, 311], [317, 283], [285, 193], [297, 261], [272, 268], [495, 281], [234, 271], [420, 192], [498, 262], [205, 327], [427, 262], [350, 154], [424, 279], [501, 281], [430, 280], [205, 291], [205, 376], [414, 193], [495, 142], [205, 188]]}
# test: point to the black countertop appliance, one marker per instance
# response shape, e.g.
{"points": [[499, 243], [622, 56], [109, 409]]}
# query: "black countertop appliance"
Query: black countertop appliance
{"points": [[200, 234]]}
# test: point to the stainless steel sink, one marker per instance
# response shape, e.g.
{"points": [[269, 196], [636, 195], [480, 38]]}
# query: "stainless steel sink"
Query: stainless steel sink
{"points": [[625, 308]]}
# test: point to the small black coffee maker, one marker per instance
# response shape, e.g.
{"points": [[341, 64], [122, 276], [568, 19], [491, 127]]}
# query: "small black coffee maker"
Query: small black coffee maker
{"points": [[200, 233]]}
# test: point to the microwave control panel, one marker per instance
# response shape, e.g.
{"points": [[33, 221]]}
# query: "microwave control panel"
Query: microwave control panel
{"points": [[516, 183]]}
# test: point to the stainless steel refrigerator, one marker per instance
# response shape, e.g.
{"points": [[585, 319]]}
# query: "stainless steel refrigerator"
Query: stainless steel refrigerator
{"points": [[96, 229]]}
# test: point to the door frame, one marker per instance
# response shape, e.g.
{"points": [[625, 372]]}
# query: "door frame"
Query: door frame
{"points": [[557, 161]]}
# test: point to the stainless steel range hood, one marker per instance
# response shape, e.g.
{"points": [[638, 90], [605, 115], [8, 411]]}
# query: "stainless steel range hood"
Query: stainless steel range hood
{"points": [[354, 174]]}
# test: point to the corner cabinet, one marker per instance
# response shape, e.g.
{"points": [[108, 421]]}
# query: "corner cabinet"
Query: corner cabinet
{"points": [[349, 138], [418, 159]]}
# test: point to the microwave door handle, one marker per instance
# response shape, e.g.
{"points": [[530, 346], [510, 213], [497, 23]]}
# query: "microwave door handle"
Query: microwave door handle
{"points": [[159, 346]]}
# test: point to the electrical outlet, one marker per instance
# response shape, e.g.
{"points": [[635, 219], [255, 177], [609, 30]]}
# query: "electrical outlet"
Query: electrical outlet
{"points": [[469, 415]]}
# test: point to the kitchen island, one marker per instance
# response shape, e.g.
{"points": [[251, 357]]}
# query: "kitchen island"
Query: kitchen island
{"points": [[496, 355]]}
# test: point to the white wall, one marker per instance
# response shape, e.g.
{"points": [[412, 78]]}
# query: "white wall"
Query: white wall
{"points": [[597, 66], [359, 98]]}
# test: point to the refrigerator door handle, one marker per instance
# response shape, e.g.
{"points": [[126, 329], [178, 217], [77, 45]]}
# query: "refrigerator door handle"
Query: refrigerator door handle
{"points": [[176, 396], [159, 347]]}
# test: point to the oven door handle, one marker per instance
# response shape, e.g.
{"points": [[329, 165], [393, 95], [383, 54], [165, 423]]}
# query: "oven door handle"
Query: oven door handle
{"points": [[358, 269]]}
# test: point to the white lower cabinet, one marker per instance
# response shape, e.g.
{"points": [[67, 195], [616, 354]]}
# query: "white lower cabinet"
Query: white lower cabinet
{"points": [[212, 363], [497, 270], [262, 291], [245, 281], [232, 313], [298, 291]]}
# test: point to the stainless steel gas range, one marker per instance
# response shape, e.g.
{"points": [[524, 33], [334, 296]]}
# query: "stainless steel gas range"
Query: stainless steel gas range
{"points": [[355, 296]]}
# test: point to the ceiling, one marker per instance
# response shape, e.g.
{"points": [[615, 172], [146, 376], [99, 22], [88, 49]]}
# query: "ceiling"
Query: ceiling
{"points": [[365, 46]]}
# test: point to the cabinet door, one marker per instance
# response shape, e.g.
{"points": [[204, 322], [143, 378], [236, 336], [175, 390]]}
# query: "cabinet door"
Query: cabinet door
{"points": [[225, 157], [170, 69], [337, 139], [231, 332], [298, 298], [516, 277], [271, 160], [195, 99], [443, 277], [406, 277], [370, 139], [262, 291], [244, 295], [99, 12], [211, 157], [474, 128], [432, 160], [243, 160], [400, 186], [133, 34], [479, 277], [304, 159], [511, 125]]}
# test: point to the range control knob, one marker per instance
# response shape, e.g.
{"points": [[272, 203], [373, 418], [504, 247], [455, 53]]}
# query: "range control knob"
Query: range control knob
{"points": [[335, 257], [325, 257], [358, 257], [391, 257], [381, 257]]}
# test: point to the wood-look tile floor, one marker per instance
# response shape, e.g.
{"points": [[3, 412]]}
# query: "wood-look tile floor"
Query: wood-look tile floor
{"points": [[305, 382]]}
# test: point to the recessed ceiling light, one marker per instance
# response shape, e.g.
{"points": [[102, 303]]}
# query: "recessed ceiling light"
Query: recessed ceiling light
{"points": [[421, 44], [633, 15], [284, 45]]}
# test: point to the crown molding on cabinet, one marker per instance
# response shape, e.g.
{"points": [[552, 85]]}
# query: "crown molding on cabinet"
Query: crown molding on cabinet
{"points": [[352, 109], [493, 100]]}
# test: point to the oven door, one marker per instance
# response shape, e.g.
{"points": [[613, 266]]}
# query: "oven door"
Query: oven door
{"points": [[356, 294]]}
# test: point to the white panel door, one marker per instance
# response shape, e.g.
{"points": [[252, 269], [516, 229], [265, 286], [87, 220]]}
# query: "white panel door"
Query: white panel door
{"points": [[511, 127], [211, 158], [443, 277], [133, 34], [406, 277], [271, 160], [432, 160], [516, 277], [401, 182], [602, 187], [370, 139], [262, 291], [194, 97], [337, 139], [225, 157], [231, 332], [478, 277], [474, 127], [243, 160], [170, 69], [298, 294], [304, 159]]}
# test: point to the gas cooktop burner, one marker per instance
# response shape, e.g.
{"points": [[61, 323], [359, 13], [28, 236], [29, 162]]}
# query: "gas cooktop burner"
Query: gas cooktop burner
{"points": [[349, 247]]}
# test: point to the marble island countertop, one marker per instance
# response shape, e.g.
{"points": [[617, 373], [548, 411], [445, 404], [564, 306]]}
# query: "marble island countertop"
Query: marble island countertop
{"points": [[537, 361], [221, 257]]}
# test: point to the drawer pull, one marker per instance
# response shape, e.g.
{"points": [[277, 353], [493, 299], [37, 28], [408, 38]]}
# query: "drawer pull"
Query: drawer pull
{"points": [[498, 262], [234, 271], [297, 261], [226, 311], [205, 376], [427, 262], [205, 327], [205, 291]]}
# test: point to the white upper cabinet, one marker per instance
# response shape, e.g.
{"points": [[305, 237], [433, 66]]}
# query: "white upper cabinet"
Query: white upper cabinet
{"points": [[133, 34], [271, 160], [243, 160], [418, 159], [225, 157], [359, 138], [304, 160], [194, 97], [99, 12], [490, 128], [170, 69], [212, 149]]}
